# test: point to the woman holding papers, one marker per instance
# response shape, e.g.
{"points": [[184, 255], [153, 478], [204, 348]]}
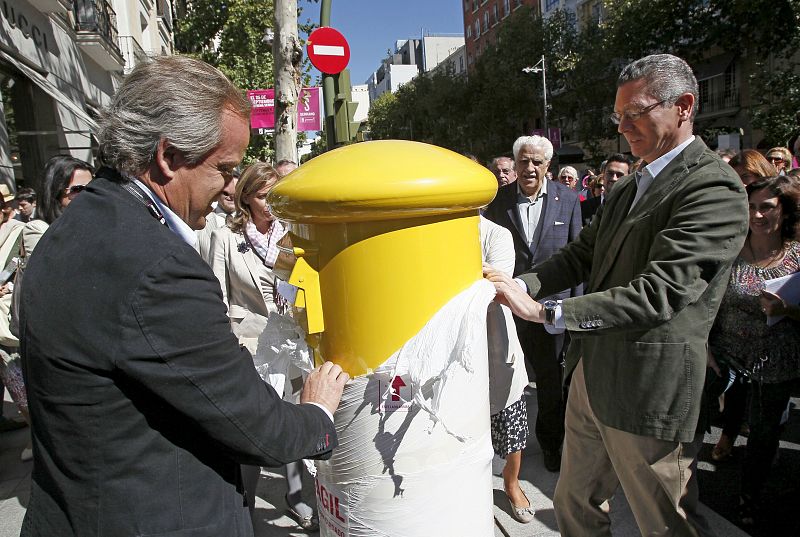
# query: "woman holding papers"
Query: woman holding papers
{"points": [[243, 255], [742, 338]]}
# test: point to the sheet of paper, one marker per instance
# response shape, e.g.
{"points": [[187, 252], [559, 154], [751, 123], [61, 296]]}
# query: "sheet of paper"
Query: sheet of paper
{"points": [[786, 287]]}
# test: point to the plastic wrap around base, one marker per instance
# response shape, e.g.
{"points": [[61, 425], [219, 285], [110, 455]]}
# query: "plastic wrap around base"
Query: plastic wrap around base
{"points": [[414, 455]]}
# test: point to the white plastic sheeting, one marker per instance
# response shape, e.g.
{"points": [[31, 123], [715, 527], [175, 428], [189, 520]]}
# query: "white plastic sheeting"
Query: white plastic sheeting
{"points": [[281, 345], [414, 455]]}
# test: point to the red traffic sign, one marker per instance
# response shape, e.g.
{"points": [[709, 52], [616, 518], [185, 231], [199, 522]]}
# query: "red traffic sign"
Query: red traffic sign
{"points": [[328, 50]]}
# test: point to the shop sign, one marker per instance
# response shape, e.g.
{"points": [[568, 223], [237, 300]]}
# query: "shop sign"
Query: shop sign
{"points": [[21, 21]]}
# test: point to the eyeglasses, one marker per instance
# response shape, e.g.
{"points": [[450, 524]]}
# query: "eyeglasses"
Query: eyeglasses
{"points": [[633, 115], [74, 190], [775, 159]]}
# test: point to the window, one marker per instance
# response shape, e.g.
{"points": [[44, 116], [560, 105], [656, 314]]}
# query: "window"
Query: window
{"points": [[469, 32], [474, 6], [506, 7], [460, 63], [494, 14], [550, 4], [477, 28], [517, 3], [486, 21]]}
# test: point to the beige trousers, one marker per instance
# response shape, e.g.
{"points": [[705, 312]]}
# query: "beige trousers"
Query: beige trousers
{"points": [[657, 476]]}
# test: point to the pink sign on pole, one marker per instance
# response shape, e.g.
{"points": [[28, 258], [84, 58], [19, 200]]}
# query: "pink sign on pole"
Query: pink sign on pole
{"points": [[554, 135], [308, 116], [262, 116]]}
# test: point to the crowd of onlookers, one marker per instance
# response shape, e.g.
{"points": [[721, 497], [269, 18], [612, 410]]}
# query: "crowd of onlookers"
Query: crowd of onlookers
{"points": [[754, 345], [753, 360]]}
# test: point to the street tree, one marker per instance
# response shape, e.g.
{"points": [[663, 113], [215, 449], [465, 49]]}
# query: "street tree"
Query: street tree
{"points": [[288, 54]]}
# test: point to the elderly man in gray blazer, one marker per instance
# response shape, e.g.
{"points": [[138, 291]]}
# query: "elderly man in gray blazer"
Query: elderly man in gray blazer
{"points": [[657, 258]]}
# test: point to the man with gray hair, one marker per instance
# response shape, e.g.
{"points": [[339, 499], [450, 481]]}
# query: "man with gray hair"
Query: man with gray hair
{"points": [[503, 170], [657, 258], [542, 216], [142, 401]]}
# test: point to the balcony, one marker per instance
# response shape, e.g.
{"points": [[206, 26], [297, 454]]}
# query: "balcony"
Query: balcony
{"points": [[164, 14], [96, 33], [718, 102], [132, 52]]}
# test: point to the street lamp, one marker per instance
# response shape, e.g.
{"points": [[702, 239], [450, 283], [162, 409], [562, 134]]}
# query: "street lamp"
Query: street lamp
{"points": [[537, 69]]}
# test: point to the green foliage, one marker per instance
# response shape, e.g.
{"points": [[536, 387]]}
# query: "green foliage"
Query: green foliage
{"points": [[498, 102], [230, 34]]}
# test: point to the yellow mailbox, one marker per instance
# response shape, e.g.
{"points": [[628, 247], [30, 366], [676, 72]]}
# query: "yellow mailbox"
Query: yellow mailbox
{"points": [[384, 233]]}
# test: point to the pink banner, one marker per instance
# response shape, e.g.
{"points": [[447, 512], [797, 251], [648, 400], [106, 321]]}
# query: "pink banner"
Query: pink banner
{"points": [[308, 116], [262, 116], [554, 135], [263, 113]]}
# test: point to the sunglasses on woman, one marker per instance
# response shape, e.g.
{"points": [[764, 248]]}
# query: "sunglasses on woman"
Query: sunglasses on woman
{"points": [[74, 190]]}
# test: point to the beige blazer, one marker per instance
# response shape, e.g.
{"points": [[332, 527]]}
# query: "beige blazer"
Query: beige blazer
{"points": [[241, 275], [214, 220]]}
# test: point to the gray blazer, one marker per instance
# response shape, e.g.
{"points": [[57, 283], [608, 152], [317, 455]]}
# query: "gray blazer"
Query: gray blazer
{"points": [[655, 276]]}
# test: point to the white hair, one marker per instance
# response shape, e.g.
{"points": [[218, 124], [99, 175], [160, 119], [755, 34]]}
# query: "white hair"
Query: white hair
{"points": [[569, 170], [539, 142]]}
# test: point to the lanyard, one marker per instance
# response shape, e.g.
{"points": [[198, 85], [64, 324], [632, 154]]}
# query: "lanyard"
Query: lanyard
{"points": [[144, 199]]}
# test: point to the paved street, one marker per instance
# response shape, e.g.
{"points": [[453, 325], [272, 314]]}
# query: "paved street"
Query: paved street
{"points": [[719, 485]]}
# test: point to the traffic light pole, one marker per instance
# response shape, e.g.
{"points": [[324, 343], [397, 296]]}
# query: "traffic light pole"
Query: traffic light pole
{"points": [[328, 90]]}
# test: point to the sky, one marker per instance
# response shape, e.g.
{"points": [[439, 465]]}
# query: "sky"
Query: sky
{"points": [[371, 27]]}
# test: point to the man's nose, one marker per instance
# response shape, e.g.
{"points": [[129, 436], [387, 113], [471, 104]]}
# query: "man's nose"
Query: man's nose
{"points": [[624, 125]]}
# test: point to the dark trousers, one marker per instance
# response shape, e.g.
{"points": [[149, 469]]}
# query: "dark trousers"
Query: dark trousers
{"points": [[543, 354], [735, 408], [767, 403]]}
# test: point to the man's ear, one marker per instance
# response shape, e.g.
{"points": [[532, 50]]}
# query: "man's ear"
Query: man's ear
{"points": [[685, 104], [168, 160]]}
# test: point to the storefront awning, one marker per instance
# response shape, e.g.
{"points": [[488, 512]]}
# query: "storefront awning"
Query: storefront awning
{"points": [[49, 88]]}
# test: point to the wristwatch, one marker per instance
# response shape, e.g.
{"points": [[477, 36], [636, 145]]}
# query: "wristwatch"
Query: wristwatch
{"points": [[550, 311]]}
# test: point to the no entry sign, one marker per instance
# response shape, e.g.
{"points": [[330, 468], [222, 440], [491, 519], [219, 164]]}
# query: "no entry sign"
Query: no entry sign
{"points": [[328, 50]]}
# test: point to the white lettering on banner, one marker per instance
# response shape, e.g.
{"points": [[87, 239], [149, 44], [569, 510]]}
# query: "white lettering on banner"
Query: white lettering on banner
{"points": [[328, 50], [332, 510], [397, 395]]}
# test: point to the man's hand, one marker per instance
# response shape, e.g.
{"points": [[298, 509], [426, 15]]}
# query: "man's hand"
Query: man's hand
{"points": [[510, 294], [324, 386]]}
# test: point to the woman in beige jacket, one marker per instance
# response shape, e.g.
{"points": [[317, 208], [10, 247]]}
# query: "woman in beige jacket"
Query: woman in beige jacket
{"points": [[243, 254]]}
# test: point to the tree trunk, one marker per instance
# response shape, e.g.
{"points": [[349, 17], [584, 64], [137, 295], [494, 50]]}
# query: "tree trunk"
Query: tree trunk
{"points": [[288, 55]]}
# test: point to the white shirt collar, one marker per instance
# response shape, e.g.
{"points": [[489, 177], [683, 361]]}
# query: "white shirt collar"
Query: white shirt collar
{"points": [[174, 223], [661, 162], [524, 197]]}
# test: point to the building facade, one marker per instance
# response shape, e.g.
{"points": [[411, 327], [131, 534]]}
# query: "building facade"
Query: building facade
{"points": [[410, 58], [481, 20], [60, 63]]}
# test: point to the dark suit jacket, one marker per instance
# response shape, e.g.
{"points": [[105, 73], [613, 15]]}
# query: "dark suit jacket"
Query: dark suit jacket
{"points": [[143, 402], [655, 276], [559, 223], [588, 208]]}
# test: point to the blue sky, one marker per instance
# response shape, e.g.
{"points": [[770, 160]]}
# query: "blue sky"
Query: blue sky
{"points": [[372, 26]]}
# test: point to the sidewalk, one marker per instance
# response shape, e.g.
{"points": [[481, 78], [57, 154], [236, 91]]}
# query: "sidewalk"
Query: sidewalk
{"points": [[537, 482]]}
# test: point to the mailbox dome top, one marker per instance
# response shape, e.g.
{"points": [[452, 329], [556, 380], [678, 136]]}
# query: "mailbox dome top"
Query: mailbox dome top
{"points": [[386, 179]]}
